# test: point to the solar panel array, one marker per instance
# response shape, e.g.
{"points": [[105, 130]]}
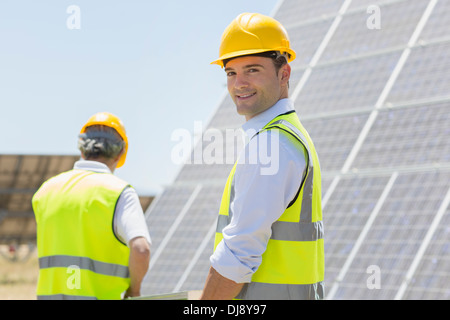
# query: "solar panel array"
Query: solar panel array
{"points": [[20, 177], [376, 102]]}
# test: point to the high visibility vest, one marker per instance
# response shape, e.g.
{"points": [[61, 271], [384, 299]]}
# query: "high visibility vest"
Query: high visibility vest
{"points": [[292, 266], [79, 255]]}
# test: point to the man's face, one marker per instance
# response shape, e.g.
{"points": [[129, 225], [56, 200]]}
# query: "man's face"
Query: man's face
{"points": [[254, 84]]}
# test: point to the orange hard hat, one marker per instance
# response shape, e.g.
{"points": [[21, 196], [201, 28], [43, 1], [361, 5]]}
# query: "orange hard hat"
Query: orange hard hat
{"points": [[112, 121], [252, 33]]}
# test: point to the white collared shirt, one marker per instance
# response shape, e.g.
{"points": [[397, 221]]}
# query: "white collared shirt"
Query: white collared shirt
{"points": [[262, 191], [129, 219]]}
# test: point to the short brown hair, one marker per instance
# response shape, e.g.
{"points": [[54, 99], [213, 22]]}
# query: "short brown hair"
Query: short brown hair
{"points": [[279, 59]]}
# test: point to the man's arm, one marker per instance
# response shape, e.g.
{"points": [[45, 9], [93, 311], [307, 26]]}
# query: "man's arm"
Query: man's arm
{"points": [[218, 287], [138, 265]]}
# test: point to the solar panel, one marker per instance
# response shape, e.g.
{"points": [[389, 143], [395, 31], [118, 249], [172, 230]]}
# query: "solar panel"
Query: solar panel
{"points": [[376, 102], [305, 38], [436, 27], [425, 76], [353, 38], [291, 12], [20, 177], [413, 136], [352, 84]]}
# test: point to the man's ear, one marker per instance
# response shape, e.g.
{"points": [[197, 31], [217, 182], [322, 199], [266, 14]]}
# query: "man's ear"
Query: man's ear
{"points": [[116, 159], [285, 73]]}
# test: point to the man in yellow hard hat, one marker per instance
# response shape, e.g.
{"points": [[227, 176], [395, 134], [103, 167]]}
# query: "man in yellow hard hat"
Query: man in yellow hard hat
{"points": [[92, 239], [269, 235]]}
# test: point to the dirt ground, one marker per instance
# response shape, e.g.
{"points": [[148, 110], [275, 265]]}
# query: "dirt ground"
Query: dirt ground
{"points": [[18, 278]]}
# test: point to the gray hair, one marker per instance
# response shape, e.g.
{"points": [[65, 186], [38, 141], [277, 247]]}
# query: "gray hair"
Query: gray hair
{"points": [[100, 141]]}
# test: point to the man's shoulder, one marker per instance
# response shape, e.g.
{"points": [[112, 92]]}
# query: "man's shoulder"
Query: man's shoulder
{"points": [[277, 139], [112, 180], [89, 177]]}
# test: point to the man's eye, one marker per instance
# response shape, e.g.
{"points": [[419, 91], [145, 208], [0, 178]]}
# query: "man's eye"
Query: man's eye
{"points": [[230, 73], [252, 70]]}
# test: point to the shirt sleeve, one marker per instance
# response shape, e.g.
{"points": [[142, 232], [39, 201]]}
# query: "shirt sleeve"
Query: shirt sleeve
{"points": [[264, 187], [129, 219]]}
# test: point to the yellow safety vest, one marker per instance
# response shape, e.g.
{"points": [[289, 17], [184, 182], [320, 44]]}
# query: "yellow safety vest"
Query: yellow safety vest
{"points": [[293, 264], [79, 255]]}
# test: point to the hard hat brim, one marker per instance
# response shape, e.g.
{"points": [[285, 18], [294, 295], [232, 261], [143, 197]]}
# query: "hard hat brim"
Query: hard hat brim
{"points": [[237, 54]]}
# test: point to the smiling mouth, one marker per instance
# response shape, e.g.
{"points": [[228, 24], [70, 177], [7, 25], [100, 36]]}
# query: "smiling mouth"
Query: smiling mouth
{"points": [[245, 96]]}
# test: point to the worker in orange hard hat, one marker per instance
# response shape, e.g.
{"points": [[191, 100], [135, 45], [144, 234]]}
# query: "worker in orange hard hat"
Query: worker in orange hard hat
{"points": [[93, 242], [252, 34], [106, 122], [269, 235]]}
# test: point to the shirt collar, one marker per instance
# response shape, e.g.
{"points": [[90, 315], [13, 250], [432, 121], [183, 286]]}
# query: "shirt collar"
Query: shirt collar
{"points": [[91, 166], [258, 122]]}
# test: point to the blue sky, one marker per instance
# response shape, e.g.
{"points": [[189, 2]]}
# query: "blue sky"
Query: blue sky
{"points": [[146, 61]]}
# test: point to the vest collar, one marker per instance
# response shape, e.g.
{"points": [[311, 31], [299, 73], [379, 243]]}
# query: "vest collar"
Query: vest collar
{"points": [[258, 122], [91, 166]]}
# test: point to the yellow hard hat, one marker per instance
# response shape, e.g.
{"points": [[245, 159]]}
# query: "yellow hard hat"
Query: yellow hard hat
{"points": [[252, 33], [112, 121]]}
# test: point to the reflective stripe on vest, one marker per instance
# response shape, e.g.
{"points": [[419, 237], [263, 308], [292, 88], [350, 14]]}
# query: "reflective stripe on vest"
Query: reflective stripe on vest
{"points": [[293, 264], [285, 231], [79, 255], [109, 269]]}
